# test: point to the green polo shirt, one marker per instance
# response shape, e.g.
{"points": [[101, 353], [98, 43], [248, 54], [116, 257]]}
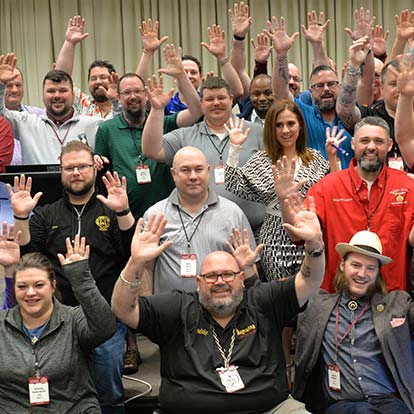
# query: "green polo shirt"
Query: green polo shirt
{"points": [[121, 143]]}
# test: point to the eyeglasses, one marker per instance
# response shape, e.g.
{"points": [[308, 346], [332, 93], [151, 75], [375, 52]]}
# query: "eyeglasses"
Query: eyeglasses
{"points": [[83, 168], [321, 85], [135, 92], [295, 78], [227, 276]]}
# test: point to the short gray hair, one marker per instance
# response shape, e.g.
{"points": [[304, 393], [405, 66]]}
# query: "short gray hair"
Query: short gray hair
{"points": [[375, 121]]}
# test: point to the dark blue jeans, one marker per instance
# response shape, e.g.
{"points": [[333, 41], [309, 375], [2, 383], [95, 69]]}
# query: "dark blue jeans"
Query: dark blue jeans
{"points": [[374, 405], [107, 364]]}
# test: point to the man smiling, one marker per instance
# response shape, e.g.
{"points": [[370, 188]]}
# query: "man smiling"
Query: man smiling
{"points": [[360, 336]]}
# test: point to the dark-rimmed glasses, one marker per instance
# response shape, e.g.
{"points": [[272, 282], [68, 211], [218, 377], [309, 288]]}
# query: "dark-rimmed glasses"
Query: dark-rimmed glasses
{"points": [[227, 276]]}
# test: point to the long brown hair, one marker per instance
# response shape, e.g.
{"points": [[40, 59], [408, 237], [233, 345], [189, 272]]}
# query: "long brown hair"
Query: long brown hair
{"points": [[340, 283], [272, 147]]}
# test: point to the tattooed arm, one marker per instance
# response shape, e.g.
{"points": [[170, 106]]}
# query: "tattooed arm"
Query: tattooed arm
{"points": [[145, 248], [346, 101]]}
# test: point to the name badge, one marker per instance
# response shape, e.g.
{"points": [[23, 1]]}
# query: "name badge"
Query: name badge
{"points": [[334, 378], [188, 265], [230, 378], [39, 390], [219, 174], [143, 174], [396, 163]]}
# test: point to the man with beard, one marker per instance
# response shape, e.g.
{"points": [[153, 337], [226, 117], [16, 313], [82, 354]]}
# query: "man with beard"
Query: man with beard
{"points": [[199, 222], [100, 75], [367, 196], [221, 347], [354, 351], [42, 137], [108, 225], [119, 139], [348, 110], [324, 90]]}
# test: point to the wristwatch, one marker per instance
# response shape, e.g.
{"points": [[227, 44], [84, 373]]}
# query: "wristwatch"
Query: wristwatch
{"points": [[315, 252]]}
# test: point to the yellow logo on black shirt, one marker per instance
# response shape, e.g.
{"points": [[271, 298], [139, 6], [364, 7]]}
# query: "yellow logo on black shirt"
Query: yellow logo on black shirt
{"points": [[103, 223], [246, 331], [201, 331]]}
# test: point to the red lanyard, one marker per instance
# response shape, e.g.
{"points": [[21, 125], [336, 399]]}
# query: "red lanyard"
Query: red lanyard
{"points": [[337, 342], [62, 141]]}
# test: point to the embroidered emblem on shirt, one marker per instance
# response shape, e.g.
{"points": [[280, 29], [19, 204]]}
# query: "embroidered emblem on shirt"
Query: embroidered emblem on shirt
{"points": [[201, 331], [103, 223], [246, 331], [399, 195]]}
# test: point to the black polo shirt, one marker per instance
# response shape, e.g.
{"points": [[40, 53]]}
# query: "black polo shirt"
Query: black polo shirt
{"points": [[189, 356]]}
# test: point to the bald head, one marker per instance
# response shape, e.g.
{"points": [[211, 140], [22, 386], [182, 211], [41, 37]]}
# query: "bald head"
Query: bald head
{"points": [[188, 153], [219, 261]]}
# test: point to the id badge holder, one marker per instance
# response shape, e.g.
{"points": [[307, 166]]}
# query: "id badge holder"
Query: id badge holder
{"points": [[143, 174], [39, 390], [219, 174], [188, 265], [334, 377], [230, 378]]}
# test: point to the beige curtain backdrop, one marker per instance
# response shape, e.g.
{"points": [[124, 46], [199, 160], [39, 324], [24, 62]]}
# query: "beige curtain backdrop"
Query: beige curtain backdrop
{"points": [[35, 30]]}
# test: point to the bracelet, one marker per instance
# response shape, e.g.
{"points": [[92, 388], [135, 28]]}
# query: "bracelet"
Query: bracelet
{"points": [[235, 37], [123, 212], [223, 61], [130, 285], [315, 252], [21, 218]]}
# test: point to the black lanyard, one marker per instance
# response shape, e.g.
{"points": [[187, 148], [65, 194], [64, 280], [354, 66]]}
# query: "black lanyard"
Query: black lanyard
{"points": [[185, 231], [219, 152]]}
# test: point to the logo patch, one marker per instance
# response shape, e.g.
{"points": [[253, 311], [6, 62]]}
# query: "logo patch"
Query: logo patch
{"points": [[103, 223]]}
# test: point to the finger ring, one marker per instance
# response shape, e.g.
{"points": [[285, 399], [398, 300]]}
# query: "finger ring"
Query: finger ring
{"points": [[145, 229]]}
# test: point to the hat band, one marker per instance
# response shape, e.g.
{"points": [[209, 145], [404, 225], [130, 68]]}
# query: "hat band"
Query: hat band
{"points": [[368, 248]]}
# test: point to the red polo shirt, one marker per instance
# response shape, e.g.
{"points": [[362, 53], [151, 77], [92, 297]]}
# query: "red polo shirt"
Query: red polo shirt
{"points": [[343, 208]]}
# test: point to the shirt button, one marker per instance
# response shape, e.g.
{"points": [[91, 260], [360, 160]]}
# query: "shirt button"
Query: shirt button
{"points": [[359, 378], [355, 360]]}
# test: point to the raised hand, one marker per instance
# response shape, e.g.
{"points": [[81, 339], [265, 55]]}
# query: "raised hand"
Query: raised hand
{"points": [[21, 200], [379, 40], [117, 199], [334, 139], [76, 252], [358, 51], [284, 179], [262, 49], [362, 24], [7, 66], [277, 33], [217, 46], [241, 250], [173, 60], [240, 19], [145, 245], [112, 92], [306, 224], [404, 25], [316, 27], [9, 246], [156, 94], [75, 30], [149, 36], [235, 129]]}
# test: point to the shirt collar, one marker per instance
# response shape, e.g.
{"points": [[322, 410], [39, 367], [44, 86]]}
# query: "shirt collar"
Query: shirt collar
{"points": [[380, 180]]}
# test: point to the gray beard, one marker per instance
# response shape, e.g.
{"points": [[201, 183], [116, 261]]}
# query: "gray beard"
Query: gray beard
{"points": [[326, 106], [369, 166], [219, 308]]}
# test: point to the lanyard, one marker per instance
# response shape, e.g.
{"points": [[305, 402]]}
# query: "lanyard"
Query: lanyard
{"points": [[369, 216], [185, 231], [61, 141], [79, 214], [226, 359], [219, 152], [350, 327], [140, 160]]}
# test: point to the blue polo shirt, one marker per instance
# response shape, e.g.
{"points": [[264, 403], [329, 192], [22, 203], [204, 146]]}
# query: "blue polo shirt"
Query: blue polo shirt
{"points": [[316, 130]]}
